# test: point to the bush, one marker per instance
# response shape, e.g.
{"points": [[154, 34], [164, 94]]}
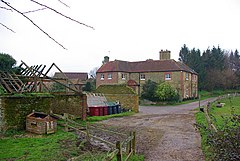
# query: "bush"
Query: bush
{"points": [[149, 91], [166, 92], [225, 144]]}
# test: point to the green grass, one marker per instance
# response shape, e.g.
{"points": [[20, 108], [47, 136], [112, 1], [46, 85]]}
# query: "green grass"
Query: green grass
{"points": [[218, 116], [215, 93], [232, 106], [100, 118], [58, 146], [19, 145]]}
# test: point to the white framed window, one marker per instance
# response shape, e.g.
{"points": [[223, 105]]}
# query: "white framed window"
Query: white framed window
{"points": [[123, 76], [167, 76], [109, 76], [187, 76], [142, 76], [102, 77]]}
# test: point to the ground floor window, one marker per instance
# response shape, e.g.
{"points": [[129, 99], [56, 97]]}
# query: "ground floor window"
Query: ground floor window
{"points": [[167, 76], [109, 76]]}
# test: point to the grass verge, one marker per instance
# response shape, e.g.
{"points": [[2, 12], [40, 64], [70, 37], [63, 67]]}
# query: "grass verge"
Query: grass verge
{"points": [[218, 116]]}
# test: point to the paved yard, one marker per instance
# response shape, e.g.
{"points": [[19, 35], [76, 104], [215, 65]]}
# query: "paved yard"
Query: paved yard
{"points": [[165, 133]]}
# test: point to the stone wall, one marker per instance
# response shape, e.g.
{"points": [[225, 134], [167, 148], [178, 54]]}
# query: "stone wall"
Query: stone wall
{"points": [[72, 104], [127, 101], [14, 109]]}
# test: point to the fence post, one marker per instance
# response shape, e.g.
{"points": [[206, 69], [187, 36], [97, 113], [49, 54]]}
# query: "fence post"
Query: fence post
{"points": [[87, 130], [119, 154], [134, 143], [129, 144], [66, 121]]}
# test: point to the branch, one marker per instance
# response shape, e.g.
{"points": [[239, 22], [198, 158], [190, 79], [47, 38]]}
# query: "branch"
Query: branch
{"points": [[34, 10], [6, 3], [63, 3], [62, 14], [7, 27], [5, 8]]}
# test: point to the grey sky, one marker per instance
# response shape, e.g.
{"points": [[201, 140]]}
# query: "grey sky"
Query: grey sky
{"points": [[132, 30]]}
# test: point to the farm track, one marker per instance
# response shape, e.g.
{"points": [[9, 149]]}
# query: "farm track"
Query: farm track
{"points": [[164, 133]]}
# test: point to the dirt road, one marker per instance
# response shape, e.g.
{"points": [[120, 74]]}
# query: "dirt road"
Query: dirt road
{"points": [[165, 133]]}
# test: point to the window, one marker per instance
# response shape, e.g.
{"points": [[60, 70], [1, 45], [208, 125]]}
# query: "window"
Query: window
{"points": [[109, 76], [168, 76], [142, 76], [123, 76], [102, 77], [187, 76]]}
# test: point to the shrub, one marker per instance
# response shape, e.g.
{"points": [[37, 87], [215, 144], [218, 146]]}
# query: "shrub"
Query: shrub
{"points": [[166, 92], [149, 91], [225, 144]]}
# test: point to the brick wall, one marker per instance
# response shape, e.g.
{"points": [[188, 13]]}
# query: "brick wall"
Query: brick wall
{"points": [[72, 104], [128, 101], [187, 88], [104, 81]]}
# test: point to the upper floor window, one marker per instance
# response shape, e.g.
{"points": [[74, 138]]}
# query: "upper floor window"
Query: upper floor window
{"points": [[187, 76], [168, 76], [142, 76], [123, 76], [102, 77], [109, 76]]}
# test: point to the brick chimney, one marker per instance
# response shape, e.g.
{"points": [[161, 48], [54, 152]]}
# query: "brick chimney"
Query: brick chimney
{"points": [[165, 55]]}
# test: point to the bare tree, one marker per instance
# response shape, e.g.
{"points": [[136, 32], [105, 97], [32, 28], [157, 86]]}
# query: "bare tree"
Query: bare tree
{"points": [[93, 72], [5, 5]]}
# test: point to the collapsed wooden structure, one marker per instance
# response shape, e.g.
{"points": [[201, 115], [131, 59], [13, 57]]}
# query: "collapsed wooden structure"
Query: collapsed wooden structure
{"points": [[33, 79], [41, 123]]}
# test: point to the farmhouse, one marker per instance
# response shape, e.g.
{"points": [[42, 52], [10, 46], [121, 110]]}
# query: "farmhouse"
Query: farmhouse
{"points": [[135, 74]]}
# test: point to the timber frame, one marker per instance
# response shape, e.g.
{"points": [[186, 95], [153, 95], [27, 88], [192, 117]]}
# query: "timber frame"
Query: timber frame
{"points": [[33, 79]]}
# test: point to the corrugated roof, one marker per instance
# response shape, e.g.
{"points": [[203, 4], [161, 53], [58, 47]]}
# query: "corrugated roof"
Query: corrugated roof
{"points": [[144, 66]]}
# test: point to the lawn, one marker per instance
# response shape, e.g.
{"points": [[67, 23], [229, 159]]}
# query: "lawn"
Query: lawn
{"points": [[58, 146], [219, 117], [20, 145]]}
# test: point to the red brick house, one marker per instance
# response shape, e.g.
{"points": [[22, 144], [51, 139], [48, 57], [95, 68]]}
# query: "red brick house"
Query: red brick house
{"points": [[135, 74]]}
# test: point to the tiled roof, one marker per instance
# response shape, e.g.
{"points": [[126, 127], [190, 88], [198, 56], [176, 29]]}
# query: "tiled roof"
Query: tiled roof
{"points": [[144, 66], [72, 75]]}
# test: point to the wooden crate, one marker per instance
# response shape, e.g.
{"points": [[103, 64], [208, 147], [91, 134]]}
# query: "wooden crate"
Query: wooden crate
{"points": [[41, 123]]}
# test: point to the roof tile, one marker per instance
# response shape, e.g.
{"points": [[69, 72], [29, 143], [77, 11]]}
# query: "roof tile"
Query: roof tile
{"points": [[144, 66]]}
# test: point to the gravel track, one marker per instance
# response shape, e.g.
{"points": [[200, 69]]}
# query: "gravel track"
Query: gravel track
{"points": [[164, 133]]}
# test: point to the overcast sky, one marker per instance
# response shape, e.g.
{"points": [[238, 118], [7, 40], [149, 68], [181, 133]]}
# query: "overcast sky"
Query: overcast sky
{"points": [[131, 30]]}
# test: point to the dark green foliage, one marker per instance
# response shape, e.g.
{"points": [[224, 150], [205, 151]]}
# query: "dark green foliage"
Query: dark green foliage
{"points": [[87, 87], [6, 62], [217, 68], [57, 87], [2, 90], [225, 144], [90, 86], [149, 90]]}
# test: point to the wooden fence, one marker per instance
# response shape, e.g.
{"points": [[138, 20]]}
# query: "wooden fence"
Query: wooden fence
{"points": [[126, 146]]}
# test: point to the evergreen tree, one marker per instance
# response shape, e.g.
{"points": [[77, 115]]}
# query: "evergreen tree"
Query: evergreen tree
{"points": [[183, 54], [7, 62]]}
